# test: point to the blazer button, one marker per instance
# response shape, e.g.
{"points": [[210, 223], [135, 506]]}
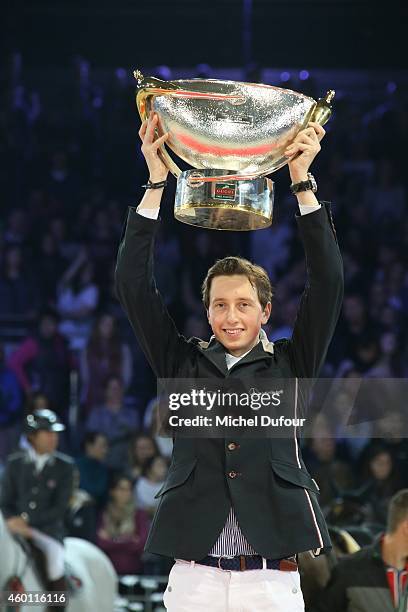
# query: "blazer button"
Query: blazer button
{"points": [[32, 505], [232, 446], [232, 474]]}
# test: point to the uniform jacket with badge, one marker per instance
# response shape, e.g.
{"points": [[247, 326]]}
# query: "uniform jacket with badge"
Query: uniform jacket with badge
{"points": [[43, 496], [274, 498], [362, 582]]}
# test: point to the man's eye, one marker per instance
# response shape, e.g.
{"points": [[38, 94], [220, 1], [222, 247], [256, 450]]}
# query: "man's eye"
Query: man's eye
{"points": [[219, 305], [244, 304]]}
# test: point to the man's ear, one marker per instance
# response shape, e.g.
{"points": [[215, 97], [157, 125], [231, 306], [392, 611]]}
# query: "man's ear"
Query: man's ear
{"points": [[266, 313]]}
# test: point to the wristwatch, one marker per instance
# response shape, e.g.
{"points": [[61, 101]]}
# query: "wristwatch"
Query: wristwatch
{"points": [[309, 185]]}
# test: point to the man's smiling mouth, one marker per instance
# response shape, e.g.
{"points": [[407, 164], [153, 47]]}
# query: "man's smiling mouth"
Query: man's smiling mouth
{"points": [[233, 332]]}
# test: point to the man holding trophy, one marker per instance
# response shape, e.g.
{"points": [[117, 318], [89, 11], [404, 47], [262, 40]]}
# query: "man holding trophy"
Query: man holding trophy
{"points": [[233, 514]]}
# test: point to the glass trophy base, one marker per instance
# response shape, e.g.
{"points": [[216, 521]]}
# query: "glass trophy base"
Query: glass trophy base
{"points": [[223, 204]]}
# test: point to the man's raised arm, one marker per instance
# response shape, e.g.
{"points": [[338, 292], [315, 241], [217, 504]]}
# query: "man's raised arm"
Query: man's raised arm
{"points": [[135, 286], [323, 295]]}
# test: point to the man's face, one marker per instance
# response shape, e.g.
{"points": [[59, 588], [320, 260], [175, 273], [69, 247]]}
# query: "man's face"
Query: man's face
{"points": [[44, 441], [235, 313]]}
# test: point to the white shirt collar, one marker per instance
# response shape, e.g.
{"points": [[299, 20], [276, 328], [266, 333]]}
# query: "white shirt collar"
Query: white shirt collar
{"points": [[38, 460]]}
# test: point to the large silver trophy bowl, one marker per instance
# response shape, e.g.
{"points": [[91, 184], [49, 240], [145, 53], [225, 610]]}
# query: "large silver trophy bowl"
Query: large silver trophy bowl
{"points": [[233, 135]]}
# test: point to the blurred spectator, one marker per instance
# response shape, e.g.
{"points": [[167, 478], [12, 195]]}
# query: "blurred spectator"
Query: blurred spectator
{"points": [[380, 471], [142, 448], [77, 299], [18, 294], [374, 579], [17, 228], [355, 326], [93, 472], [123, 528], [59, 230], [115, 421], [61, 183], [38, 401], [103, 357], [393, 431], [326, 462], [389, 364], [42, 362], [11, 407], [386, 196], [150, 482], [102, 244]]}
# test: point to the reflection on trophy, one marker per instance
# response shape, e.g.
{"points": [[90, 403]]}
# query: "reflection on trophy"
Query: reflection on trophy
{"points": [[233, 134]]}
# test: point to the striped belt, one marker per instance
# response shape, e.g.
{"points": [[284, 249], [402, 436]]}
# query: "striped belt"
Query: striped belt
{"points": [[240, 563]]}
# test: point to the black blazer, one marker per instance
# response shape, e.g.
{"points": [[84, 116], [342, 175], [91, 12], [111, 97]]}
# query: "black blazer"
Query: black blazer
{"points": [[273, 495]]}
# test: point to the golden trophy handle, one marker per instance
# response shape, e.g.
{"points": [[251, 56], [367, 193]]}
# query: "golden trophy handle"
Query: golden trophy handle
{"points": [[323, 109]]}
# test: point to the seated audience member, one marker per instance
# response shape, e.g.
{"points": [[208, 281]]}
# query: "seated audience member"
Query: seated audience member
{"points": [[392, 431], [93, 472], [42, 362], [123, 528], [116, 421], [105, 355], [380, 472], [142, 448], [374, 579], [149, 483], [77, 300]]}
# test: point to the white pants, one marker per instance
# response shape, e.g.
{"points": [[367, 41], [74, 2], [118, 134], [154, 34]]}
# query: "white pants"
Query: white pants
{"points": [[53, 551], [199, 588]]}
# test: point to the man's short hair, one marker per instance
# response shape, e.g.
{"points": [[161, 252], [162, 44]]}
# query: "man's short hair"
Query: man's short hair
{"points": [[230, 266], [397, 510]]}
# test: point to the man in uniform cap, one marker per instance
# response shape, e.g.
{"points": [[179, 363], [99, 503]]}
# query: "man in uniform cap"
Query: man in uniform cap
{"points": [[36, 488]]}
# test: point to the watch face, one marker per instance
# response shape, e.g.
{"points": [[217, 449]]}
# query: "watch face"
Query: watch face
{"points": [[313, 182]]}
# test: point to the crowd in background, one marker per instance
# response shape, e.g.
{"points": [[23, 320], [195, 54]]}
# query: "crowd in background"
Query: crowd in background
{"points": [[69, 166]]}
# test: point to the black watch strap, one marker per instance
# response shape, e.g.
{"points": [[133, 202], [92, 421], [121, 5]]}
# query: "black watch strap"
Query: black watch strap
{"points": [[309, 185], [150, 185]]}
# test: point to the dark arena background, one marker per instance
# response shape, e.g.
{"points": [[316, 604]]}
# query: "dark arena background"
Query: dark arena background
{"points": [[70, 165]]}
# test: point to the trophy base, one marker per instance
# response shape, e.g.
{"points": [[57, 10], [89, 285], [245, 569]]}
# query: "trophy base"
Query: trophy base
{"points": [[235, 205]]}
